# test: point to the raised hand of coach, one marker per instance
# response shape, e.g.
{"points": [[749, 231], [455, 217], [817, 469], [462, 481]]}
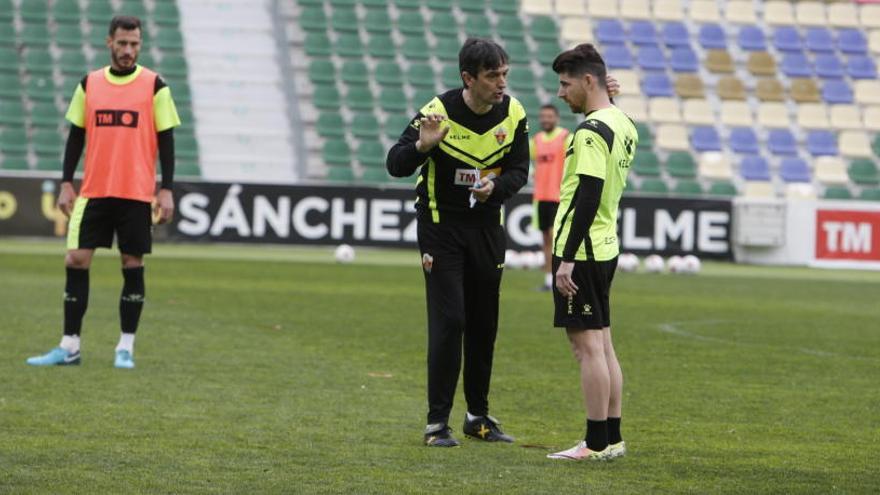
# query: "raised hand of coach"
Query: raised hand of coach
{"points": [[431, 132]]}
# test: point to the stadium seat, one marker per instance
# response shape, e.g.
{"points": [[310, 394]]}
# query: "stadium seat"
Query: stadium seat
{"points": [[819, 39], [683, 59], [862, 171], [420, 75], [326, 97], [688, 86], [450, 77], [40, 88], [810, 13], [672, 137], [736, 113], [805, 91], [317, 45], [852, 42], [628, 79], [543, 28], [829, 66], [643, 33], [787, 39], [704, 11], [411, 23], [837, 92], [477, 25], [166, 14], [646, 137], [447, 49], [740, 12], [843, 14], [336, 152], [722, 188], [875, 145], [657, 84], [796, 64], [69, 36], [668, 10], [610, 32], [635, 9], [759, 189], [414, 47], [502, 6], [440, 5], [376, 21], [743, 140], [761, 64], [854, 144], [861, 67], [715, 166], [872, 118], [45, 114], [719, 61], [874, 41], [781, 142], [394, 125], [687, 187], [443, 24], [390, 100], [800, 191], [698, 112], [837, 193], [646, 164], [778, 13], [846, 117], [633, 106], [794, 169], [574, 31], [12, 113], [651, 58], [712, 36], [705, 139], [535, 7], [73, 62], [381, 46], [754, 168], [820, 142], [665, 110], [676, 34], [47, 143], [731, 88], [340, 172], [371, 154], [349, 45], [769, 90], [574, 8], [751, 38], [344, 20], [330, 125], [618, 57], [812, 116], [681, 165], [653, 186], [510, 27], [608, 10], [521, 81], [830, 170], [870, 195]]}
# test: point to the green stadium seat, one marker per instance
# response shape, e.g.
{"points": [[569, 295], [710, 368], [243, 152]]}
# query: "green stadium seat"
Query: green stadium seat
{"points": [[374, 4], [646, 138], [36, 35], [722, 188], [550, 81], [134, 8], [680, 164], [336, 152], [310, 3], [870, 195], [326, 97], [510, 28], [34, 11], [169, 39], [344, 20], [504, 6], [321, 71], [340, 173], [66, 12], [330, 125], [47, 143], [145, 58], [450, 76], [415, 47], [187, 168], [10, 86], [395, 125], [376, 21], [646, 164], [371, 154], [45, 114], [365, 126], [477, 25], [11, 113], [408, 4], [355, 73], [518, 52], [447, 49], [441, 5], [521, 80], [381, 46], [443, 24], [839, 192], [173, 65], [313, 19], [13, 141], [349, 45], [166, 14], [185, 146], [389, 74], [8, 60], [547, 52], [420, 75], [475, 5], [40, 88], [344, 3], [97, 38], [359, 98], [654, 186], [14, 162], [49, 163], [544, 28], [391, 100], [875, 145], [38, 61], [317, 45], [69, 36], [422, 97], [864, 172], [8, 37], [411, 23], [688, 187], [99, 12], [530, 102], [375, 174], [7, 10]]}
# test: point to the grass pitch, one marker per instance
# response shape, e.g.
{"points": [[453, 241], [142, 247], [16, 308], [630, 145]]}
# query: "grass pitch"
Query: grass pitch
{"points": [[273, 370]]}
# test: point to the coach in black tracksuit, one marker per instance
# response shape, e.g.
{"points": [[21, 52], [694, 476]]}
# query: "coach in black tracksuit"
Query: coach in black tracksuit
{"points": [[471, 145]]}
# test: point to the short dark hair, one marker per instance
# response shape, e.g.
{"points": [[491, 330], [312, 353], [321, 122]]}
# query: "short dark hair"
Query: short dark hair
{"points": [[124, 22], [580, 60], [550, 106], [480, 54]]}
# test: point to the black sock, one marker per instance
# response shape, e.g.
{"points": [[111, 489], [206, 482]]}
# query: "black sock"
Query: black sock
{"points": [[132, 300], [614, 430], [597, 435], [76, 299]]}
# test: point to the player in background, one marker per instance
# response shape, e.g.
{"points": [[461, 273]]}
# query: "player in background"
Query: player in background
{"points": [[124, 116], [547, 148], [585, 244]]}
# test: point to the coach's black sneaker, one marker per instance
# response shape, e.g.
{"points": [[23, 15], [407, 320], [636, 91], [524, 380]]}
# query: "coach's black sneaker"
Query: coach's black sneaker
{"points": [[485, 428], [440, 435]]}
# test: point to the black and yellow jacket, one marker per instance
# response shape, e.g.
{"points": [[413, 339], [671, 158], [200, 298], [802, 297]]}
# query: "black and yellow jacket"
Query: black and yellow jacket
{"points": [[494, 144]]}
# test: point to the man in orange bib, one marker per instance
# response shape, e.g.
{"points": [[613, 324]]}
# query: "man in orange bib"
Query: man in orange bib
{"points": [[548, 156], [124, 116]]}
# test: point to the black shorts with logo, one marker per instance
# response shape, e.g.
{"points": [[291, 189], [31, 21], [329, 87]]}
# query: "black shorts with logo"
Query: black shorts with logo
{"points": [[546, 213], [94, 221], [590, 308]]}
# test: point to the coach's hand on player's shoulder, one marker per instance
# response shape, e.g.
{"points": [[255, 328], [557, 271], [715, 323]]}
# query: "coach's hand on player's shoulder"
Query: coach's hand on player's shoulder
{"points": [[431, 132], [66, 197], [612, 85], [564, 283], [483, 192], [165, 205]]}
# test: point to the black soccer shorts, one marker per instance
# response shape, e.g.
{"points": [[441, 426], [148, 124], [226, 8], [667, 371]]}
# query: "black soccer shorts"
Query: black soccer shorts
{"points": [[590, 307], [94, 221], [546, 214]]}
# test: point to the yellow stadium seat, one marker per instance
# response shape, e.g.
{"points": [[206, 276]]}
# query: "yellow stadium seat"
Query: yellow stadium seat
{"points": [[867, 91], [736, 113], [830, 170], [689, 86], [872, 118], [668, 10], [576, 30], [634, 106], [769, 90], [536, 7], [846, 117], [704, 11], [800, 191], [870, 15], [629, 81], [672, 137], [778, 13], [635, 9], [698, 112], [854, 144], [715, 165], [740, 12], [761, 64], [874, 41], [812, 116], [664, 110], [843, 14], [759, 189], [810, 14], [719, 61], [603, 9], [571, 8], [805, 91], [731, 88], [773, 115]]}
